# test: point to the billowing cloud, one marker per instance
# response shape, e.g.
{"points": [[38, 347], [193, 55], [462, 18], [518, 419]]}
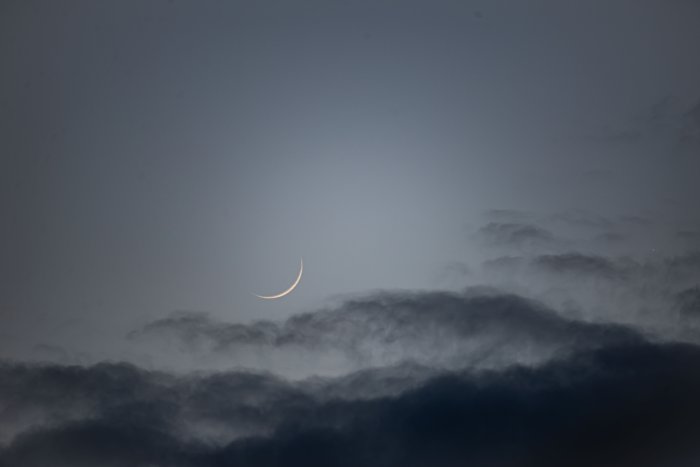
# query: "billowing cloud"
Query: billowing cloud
{"points": [[634, 404], [651, 293], [476, 329]]}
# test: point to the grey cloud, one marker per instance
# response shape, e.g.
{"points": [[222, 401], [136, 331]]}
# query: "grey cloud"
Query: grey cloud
{"points": [[574, 230], [439, 329], [689, 235], [684, 266], [459, 269], [579, 264], [688, 301], [581, 218], [103, 442], [519, 235], [372, 383], [674, 271], [510, 263], [222, 405], [668, 117], [638, 221], [562, 265], [210, 407], [58, 394], [634, 404], [610, 238], [190, 327], [640, 292], [689, 238], [612, 407]]}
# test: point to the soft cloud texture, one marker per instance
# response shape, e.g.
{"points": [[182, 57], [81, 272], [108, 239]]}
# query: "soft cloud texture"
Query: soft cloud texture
{"points": [[476, 329], [623, 405]]}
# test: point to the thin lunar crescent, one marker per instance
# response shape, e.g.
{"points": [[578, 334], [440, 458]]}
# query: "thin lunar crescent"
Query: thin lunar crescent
{"points": [[289, 290]]}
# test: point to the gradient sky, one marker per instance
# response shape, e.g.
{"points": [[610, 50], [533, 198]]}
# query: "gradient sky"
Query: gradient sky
{"points": [[508, 186], [162, 156]]}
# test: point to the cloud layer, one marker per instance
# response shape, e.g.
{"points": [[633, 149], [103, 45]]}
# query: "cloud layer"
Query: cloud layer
{"points": [[634, 404], [568, 356], [443, 330]]}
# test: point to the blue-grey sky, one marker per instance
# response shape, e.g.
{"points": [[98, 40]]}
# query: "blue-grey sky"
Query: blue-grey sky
{"points": [[495, 202], [161, 156]]}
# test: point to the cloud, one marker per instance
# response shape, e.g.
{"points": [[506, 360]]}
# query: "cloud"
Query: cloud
{"points": [[673, 272], [575, 230], [439, 329], [579, 264], [643, 293], [637, 221], [622, 406], [103, 442], [634, 404], [581, 218], [421, 378], [688, 301], [216, 406], [513, 234], [684, 267], [557, 268], [555, 368], [669, 118], [610, 238], [691, 237]]}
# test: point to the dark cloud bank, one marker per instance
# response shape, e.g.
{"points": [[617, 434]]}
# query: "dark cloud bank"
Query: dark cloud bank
{"points": [[545, 390], [631, 404]]}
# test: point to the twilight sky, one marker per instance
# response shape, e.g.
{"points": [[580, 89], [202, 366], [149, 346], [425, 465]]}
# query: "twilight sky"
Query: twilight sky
{"points": [[500, 186]]}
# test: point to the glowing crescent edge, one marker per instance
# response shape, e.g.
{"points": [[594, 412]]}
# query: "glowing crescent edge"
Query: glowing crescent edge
{"points": [[289, 290]]}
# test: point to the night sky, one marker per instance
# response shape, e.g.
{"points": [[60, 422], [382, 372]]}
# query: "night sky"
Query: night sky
{"points": [[496, 203]]}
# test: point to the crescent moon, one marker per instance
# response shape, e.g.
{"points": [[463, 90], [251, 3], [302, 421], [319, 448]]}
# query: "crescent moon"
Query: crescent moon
{"points": [[289, 290]]}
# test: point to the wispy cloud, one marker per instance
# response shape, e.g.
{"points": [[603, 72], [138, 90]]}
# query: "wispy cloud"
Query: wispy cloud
{"points": [[438, 329]]}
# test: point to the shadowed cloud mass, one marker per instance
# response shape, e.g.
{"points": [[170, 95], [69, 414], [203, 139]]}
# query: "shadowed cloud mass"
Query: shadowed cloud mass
{"points": [[624, 405], [436, 329]]}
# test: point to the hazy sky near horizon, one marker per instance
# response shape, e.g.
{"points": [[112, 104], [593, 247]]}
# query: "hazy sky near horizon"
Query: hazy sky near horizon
{"points": [[160, 156]]}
